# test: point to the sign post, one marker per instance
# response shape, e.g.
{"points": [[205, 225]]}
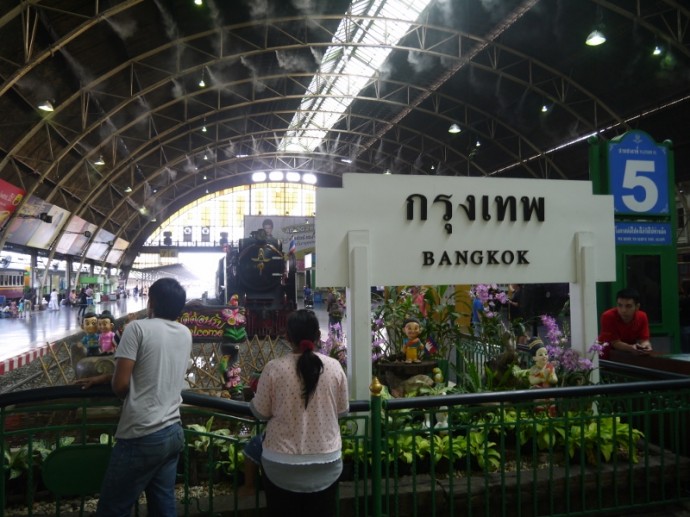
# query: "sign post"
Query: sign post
{"points": [[414, 230], [639, 174]]}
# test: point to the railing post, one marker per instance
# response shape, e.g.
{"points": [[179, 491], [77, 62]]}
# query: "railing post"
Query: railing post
{"points": [[375, 389]]}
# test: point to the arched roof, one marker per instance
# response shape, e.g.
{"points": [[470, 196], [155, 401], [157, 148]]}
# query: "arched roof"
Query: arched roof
{"points": [[123, 76]]}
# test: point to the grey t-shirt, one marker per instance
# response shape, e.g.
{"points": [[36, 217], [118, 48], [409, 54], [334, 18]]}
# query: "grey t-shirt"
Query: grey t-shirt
{"points": [[161, 350]]}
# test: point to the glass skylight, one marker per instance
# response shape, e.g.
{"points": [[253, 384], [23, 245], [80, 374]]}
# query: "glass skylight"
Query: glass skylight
{"points": [[360, 46]]}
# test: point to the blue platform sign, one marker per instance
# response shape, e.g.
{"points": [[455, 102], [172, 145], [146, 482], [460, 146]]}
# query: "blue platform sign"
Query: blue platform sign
{"points": [[638, 172]]}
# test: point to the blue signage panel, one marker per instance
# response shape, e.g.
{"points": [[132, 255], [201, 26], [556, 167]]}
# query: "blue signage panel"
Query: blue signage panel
{"points": [[638, 171], [650, 234]]}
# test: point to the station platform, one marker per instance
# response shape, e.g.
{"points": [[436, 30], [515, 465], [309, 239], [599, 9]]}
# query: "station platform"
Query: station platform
{"points": [[27, 338]]}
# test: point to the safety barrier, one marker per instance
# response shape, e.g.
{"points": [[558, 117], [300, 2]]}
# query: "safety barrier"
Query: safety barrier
{"points": [[583, 450]]}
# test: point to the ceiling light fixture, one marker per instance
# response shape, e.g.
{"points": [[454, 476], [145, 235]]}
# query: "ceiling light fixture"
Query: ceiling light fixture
{"points": [[99, 161], [198, 2], [203, 129], [544, 108], [309, 178], [595, 38], [46, 105], [658, 50], [202, 83], [276, 176], [258, 177], [454, 129], [128, 189]]}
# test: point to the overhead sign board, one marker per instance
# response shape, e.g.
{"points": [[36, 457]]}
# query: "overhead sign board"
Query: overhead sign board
{"points": [[443, 230]]}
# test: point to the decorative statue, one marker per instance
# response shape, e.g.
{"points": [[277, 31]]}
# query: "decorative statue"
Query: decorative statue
{"points": [[235, 321], [94, 364], [90, 341], [542, 374], [106, 335], [412, 345]]}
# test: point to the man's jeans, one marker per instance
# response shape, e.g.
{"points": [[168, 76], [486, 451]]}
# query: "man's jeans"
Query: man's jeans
{"points": [[142, 464]]}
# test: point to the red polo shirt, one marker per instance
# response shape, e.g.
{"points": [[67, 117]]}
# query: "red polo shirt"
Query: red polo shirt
{"points": [[613, 328]]}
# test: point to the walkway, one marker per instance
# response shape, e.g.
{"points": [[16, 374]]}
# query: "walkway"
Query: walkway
{"points": [[25, 339]]}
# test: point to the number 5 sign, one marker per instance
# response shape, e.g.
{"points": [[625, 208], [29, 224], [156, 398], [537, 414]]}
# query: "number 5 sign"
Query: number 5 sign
{"points": [[638, 172]]}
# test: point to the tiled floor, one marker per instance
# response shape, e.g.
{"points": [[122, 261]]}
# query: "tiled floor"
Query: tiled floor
{"points": [[24, 339]]}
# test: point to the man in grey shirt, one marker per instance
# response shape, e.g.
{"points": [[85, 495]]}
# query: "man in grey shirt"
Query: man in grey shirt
{"points": [[150, 365]]}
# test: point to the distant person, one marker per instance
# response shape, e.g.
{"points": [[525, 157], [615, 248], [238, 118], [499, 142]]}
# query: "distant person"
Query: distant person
{"points": [[515, 303], [53, 304], [625, 327], [82, 303], [301, 395], [150, 366], [89, 295], [135, 291], [477, 314]]}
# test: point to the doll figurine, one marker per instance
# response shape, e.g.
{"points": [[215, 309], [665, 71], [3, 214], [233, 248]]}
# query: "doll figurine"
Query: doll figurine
{"points": [[106, 336], [412, 345], [542, 374], [90, 341]]}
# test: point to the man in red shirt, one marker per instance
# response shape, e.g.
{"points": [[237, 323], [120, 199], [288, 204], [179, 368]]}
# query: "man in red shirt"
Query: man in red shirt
{"points": [[625, 327]]}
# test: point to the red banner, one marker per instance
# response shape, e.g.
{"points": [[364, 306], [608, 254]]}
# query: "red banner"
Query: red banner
{"points": [[10, 197]]}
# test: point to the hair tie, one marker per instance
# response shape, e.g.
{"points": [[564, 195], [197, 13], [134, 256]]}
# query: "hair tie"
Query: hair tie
{"points": [[305, 345]]}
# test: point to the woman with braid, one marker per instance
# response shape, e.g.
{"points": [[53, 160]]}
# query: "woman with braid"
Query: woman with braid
{"points": [[300, 396]]}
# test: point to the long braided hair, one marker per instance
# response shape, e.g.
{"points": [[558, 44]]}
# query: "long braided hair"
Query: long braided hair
{"points": [[303, 332]]}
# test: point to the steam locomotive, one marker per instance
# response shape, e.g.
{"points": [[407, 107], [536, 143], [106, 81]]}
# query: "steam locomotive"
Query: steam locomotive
{"points": [[260, 275]]}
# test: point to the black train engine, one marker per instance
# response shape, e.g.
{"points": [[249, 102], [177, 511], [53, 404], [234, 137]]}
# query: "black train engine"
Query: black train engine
{"points": [[257, 271]]}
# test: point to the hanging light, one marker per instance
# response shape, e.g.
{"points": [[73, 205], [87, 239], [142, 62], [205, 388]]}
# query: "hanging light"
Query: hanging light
{"points": [[46, 105], [203, 129], [128, 189], [596, 37], [198, 2], [454, 129], [544, 108], [658, 50], [202, 83], [100, 161]]}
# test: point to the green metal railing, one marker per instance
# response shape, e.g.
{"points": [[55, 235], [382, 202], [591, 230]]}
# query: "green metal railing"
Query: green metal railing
{"points": [[586, 450]]}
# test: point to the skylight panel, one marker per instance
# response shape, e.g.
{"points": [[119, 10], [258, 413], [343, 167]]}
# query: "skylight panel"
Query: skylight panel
{"points": [[360, 46]]}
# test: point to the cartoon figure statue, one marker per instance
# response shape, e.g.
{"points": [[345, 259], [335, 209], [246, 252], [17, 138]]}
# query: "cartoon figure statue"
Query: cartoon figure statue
{"points": [[106, 335], [412, 345], [542, 374], [90, 341]]}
